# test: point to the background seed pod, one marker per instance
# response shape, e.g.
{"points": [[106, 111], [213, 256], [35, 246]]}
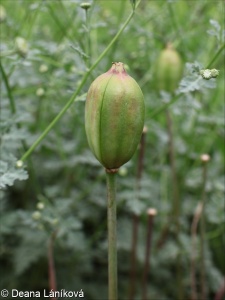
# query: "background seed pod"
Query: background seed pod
{"points": [[169, 68], [114, 117]]}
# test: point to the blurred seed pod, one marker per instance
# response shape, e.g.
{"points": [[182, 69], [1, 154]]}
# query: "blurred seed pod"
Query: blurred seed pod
{"points": [[21, 46], [169, 69], [2, 14]]}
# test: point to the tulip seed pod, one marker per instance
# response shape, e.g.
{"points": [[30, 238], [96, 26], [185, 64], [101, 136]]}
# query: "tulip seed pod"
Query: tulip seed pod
{"points": [[169, 69], [114, 117]]}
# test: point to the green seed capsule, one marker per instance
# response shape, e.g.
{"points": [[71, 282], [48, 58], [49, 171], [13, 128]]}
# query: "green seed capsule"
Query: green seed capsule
{"points": [[169, 70], [114, 117]]}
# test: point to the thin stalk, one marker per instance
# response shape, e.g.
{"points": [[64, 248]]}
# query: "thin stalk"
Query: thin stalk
{"points": [[194, 226], [61, 26], [151, 214], [180, 290], [215, 56], [7, 53], [111, 55], [221, 292], [163, 237], [8, 89], [112, 249], [141, 156], [175, 214], [199, 216], [48, 60], [176, 204], [70, 22], [177, 32], [133, 271], [51, 265], [73, 97], [33, 20], [202, 231], [88, 46], [164, 106], [135, 220], [173, 20]]}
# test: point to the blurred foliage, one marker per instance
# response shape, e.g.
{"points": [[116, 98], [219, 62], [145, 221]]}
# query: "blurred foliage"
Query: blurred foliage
{"points": [[66, 190]]}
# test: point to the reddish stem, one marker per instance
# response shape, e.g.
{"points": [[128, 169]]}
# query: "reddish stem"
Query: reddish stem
{"points": [[194, 227], [151, 214], [141, 154], [221, 292], [51, 265], [133, 257]]}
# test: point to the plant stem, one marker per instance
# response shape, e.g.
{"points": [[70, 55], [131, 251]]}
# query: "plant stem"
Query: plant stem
{"points": [[33, 20], [7, 53], [164, 106], [194, 226], [61, 26], [221, 292], [175, 214], [51, 266], [141, 156], [173, 20], [119, 20], [88, 47], [73, 97], [202, 234], [135, 218], [112, 250], [199, 215], [176, 28], [8, 88], [176, 205], [151, 214], [215, 56], [132, 284]]}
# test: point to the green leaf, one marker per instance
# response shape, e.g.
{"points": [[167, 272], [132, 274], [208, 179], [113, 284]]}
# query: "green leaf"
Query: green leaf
{"points": [[9, 173], [29, 250]]}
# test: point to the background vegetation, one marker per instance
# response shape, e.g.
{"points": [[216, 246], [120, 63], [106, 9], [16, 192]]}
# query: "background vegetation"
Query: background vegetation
{"points": [[59, 194]]}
